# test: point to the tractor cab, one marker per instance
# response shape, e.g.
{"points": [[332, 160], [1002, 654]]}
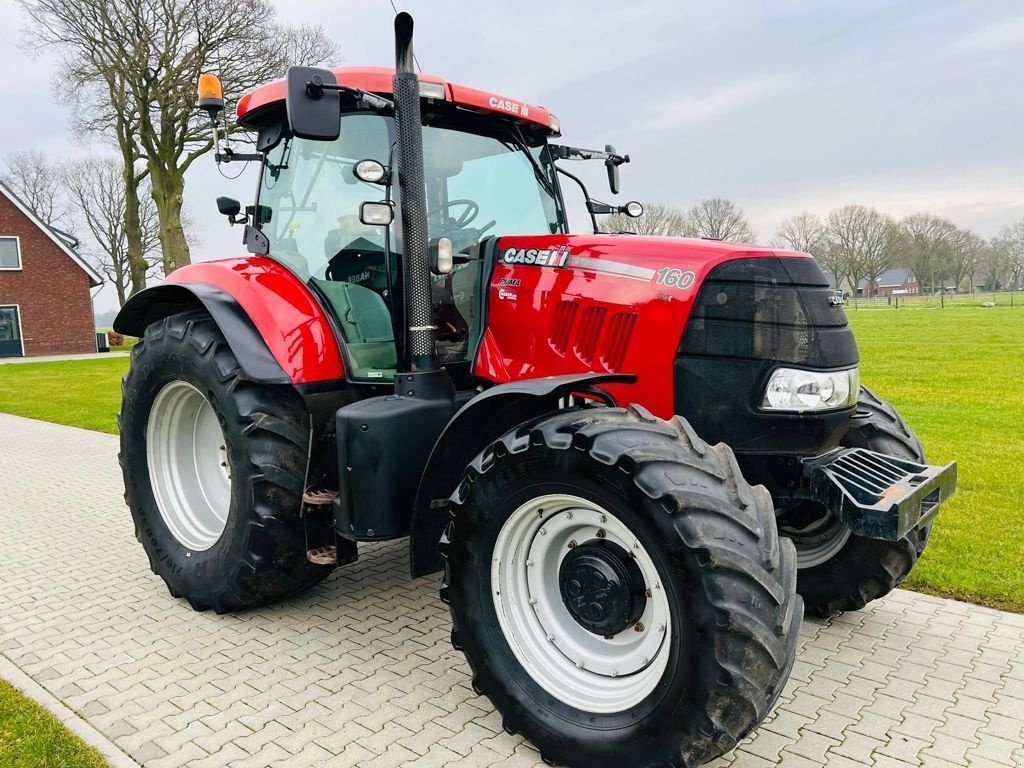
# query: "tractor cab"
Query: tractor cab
{"points": [[330, 210]]}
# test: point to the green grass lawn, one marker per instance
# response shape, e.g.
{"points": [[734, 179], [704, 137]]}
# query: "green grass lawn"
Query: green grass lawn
{"points": [[82, 393], [955, 376], [30, 737]]}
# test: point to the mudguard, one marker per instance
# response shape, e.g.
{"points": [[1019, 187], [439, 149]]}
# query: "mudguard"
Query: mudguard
{"points": [[273, 323], [482, 420]]}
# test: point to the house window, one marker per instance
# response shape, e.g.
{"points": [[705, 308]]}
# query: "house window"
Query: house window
{"points": [[10, 253]]}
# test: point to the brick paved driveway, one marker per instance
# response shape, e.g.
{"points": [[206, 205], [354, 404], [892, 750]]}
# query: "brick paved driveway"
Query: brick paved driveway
{"points": [[360, 671]]}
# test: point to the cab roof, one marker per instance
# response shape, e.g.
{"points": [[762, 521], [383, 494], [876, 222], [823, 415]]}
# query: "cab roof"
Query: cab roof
{"points": [[378, 80]]}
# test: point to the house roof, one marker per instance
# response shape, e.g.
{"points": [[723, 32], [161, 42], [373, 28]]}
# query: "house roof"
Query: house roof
{"points": [[61, 240], [891, 278]]}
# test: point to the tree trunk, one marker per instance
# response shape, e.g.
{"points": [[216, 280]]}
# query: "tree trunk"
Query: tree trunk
{"points": [[133, 229], [168, 189]]}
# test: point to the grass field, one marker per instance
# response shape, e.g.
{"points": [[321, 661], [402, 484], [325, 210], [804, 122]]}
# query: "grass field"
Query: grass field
{"points": [[30, 737], [954, 375]]}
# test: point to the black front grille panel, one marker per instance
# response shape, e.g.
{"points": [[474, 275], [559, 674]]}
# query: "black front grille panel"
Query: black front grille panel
{"points": [[766, 315], [751, 316]]}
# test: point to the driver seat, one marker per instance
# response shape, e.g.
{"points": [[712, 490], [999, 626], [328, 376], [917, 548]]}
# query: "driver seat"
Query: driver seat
{"points": [[366, 324]]}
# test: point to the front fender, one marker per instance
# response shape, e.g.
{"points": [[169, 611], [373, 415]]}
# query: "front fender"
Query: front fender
{"points": [[273, 323], [479, 422]]}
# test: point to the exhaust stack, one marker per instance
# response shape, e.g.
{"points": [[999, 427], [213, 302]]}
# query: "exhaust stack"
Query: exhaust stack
{"points": [[422, 355]]}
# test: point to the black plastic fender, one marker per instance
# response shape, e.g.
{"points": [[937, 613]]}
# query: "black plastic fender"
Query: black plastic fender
{"points": [[479, 422], [156, 303]]}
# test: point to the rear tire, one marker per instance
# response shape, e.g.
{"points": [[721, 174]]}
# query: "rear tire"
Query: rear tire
{"points": [[723, 593], [849, 576], [227, 542]]}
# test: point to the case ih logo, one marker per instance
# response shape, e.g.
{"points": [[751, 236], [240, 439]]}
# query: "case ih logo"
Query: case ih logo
{"points": [[544, 257], [506, 105]]}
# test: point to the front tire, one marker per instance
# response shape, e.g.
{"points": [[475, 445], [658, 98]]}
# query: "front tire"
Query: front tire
{"points": [[684, 643], [214, 467], [838, 570]]}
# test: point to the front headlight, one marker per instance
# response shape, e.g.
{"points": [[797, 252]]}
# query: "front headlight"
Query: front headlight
{"points": [[790, 389]]}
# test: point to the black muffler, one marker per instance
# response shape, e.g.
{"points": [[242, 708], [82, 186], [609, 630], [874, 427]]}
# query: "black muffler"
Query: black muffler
{"points": [[422, 355]]}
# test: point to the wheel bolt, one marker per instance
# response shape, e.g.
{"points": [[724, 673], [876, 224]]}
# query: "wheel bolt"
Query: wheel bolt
{"points": [[661, 627], [615, 673], [572, 544], [643, 661], [601, 534], [568, 515], [533, 601], [638, 627], [529, 562], [579, 665], [543, 531], [648, 594], [551, 638]]}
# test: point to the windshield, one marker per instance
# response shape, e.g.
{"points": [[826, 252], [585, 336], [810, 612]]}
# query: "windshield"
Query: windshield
{"points": [[478, 185]]}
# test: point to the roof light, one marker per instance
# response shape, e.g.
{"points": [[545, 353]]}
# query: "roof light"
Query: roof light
{"points": [[371, 171], [376, 214], [556, 126], [211, 95], [432, 90]]}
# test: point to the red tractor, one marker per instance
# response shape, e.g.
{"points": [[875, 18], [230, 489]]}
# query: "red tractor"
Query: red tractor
{"points": [[635, 459]]}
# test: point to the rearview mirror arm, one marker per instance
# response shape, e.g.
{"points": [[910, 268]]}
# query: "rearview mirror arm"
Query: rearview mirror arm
{"points": [[586, 195], [315, 88]]}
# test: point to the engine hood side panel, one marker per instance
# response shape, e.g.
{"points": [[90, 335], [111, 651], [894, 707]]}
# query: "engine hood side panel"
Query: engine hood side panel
{"points": [[561, 304]]}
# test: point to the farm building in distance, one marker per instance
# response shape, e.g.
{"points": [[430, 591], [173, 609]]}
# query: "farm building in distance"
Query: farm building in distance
{"points": [[45, 287]]}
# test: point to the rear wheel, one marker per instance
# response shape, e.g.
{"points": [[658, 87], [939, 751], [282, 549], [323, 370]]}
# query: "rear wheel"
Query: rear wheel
{"points": [[214, 467], [838, 570], [618, 588]]}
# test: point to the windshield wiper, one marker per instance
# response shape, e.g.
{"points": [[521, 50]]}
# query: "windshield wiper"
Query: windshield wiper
{"points": [[520, 142]]}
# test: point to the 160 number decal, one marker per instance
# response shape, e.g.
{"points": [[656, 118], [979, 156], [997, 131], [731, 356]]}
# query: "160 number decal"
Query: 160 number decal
{"points": [[675, 278]]}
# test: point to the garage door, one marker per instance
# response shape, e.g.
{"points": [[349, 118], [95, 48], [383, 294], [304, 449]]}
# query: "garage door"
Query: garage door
{"points": [[10, 332]]}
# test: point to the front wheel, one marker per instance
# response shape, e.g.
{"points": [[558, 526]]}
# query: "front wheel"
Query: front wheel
{"points": [[619, 590]]}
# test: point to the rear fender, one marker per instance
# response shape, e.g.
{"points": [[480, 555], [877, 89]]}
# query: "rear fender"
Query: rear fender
{"points": [[479, 422], [272, 322]]}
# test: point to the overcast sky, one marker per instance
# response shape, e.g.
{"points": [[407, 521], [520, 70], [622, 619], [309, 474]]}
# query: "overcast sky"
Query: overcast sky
{"points": [[784, 106]]}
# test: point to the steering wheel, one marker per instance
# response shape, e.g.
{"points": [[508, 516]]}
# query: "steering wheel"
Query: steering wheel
{"points": [[460, 222]]}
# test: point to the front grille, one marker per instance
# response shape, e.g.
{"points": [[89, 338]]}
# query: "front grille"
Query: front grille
{"points": [[758, 309]]}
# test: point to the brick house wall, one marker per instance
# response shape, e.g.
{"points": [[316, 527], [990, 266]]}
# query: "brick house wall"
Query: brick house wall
{"points": [[52, 291]]}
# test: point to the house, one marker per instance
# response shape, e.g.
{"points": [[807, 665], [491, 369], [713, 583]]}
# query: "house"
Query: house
{"points": [[897, 281], [45, 287]]}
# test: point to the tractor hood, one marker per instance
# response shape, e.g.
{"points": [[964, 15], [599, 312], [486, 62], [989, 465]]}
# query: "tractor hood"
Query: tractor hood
{"points": [[560, 304]]}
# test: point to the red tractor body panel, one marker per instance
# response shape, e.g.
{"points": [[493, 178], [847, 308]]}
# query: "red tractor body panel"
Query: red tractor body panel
{"points": [[378, 80], [284, 311], [562, 304]]}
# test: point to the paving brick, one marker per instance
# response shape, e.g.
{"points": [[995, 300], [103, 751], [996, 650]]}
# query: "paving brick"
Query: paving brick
{"points": [[359, 672]]}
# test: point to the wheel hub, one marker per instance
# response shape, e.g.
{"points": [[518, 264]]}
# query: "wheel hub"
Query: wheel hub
{"points": [[602, 587]]}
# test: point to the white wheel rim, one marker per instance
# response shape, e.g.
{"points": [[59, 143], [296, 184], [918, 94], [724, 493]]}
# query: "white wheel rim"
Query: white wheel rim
{"points": [[819, 541], [579, 668], [188, 466]]}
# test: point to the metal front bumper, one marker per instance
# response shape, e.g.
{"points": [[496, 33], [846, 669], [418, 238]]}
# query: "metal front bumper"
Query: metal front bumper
{"points": [[875, 495]]}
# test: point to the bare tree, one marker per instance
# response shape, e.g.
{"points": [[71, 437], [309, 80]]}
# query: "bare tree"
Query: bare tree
{"points": [[130, 67], [803, 232], [720, 219], [924, 245], [36, 180], [657, 219], [862, 240], [1010, 244], [966, 251], [96, 188]]}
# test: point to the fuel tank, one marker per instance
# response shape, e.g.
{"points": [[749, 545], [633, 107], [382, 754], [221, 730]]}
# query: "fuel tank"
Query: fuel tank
{"points": [[607, 303]]}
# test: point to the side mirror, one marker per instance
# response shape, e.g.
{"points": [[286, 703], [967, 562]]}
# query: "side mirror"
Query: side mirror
{"points": [[613, 169], [228, 206], [312, 104]]}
